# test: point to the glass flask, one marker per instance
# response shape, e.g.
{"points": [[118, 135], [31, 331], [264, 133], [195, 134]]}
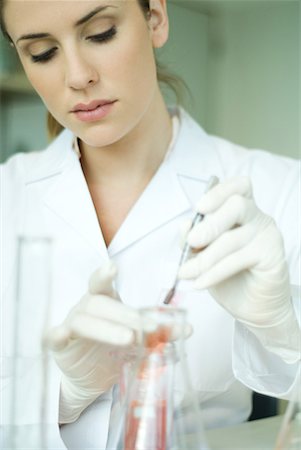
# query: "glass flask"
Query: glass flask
{"points": [[158, 409], [289, 437], [30, 358]]}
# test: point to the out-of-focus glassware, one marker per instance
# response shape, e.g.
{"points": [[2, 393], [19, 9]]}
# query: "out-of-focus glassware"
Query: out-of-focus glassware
{"points": [[289, 437], [29, 375], [158, 408]]}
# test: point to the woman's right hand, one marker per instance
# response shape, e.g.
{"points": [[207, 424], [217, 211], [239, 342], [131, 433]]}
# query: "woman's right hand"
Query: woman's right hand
{"points": [[85, 344]]}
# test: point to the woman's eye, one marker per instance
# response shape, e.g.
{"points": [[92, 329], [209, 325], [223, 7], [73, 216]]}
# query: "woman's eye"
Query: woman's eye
{"points": [[103, 37], [43, 57]]}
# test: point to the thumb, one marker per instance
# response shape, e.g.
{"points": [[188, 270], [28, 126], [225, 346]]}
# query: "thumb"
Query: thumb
{"points": [[57, 338], [101, 281]]}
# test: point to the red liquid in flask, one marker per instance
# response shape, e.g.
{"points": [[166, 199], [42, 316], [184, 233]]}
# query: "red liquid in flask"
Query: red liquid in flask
{"points": [[146, 422], [146, 427]]}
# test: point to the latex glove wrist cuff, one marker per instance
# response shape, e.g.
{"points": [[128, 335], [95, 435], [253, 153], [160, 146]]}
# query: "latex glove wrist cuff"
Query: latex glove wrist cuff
{"points": [[283, 339], [73, 401]]}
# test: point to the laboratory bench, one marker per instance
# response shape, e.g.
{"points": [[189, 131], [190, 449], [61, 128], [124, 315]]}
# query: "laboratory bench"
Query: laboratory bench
{"points": [[256, 435]]}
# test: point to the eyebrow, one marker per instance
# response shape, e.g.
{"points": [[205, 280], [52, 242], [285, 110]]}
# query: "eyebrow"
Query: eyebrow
{"points": [[77, 24]]}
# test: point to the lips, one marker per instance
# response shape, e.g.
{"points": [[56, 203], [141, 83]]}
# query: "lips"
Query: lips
{"points": [[94, 111], [91, 106]]}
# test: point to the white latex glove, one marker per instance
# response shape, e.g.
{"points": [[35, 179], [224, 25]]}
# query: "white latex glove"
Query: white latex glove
{"points": [[240, 259], [84, 345]]}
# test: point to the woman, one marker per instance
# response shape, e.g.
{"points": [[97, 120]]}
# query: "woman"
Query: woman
{"points": [[116, 185]]}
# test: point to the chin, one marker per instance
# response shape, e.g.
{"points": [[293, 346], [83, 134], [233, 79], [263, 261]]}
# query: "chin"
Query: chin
{"points": [[104, 132], [99, 136]]}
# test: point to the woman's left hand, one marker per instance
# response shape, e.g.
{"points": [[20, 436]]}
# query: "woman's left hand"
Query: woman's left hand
{"points": [[240, 258]]}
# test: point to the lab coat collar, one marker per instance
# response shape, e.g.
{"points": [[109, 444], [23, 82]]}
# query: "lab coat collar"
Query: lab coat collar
{"points": [[70, 199], [176, 187], [162, 200], [53, 161], [67, 194], [174, 190], [195, 155]]}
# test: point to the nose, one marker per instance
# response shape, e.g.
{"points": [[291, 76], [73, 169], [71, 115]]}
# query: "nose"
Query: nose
{"points": [[80, 72]]}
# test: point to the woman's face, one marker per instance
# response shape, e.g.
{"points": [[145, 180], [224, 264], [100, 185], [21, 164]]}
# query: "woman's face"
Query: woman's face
{"points": [[91, 62]]}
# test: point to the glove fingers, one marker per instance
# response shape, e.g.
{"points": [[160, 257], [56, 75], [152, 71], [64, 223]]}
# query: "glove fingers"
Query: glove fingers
{"points": [[101, 281], [214, 198], [100, 330], [229, 266], [235, 211], [57, 338], [109, 333], [230, 242], [103, 307]]}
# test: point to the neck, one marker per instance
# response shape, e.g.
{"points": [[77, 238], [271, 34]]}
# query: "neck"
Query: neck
{"points": [[135, 157]]}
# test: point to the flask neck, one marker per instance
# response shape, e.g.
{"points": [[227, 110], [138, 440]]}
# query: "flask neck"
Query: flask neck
{"points": [[160, 341], [167, 326], [159, 410]]}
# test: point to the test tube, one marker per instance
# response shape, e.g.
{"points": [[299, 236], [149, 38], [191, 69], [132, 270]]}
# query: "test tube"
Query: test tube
{"points": [[29, 377]]}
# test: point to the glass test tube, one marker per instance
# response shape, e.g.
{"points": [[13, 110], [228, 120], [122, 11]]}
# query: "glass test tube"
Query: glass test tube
{"points": [[29, 383]]}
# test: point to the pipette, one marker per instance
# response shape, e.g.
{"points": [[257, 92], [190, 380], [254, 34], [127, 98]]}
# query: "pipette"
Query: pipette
{"points": [[213, 181]]}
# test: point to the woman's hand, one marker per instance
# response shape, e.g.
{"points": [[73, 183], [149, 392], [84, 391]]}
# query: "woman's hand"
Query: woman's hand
{"points": [[240, 258], [84, 345]]}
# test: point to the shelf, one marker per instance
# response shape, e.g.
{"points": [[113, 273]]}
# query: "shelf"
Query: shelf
{"points": [[15, 83]]}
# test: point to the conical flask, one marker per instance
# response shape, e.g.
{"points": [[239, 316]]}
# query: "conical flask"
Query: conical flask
{"points": [[289, 437], [158, 409]]}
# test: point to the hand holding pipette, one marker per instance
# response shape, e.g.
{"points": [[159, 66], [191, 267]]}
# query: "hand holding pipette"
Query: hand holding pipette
{"points": [[239, 256]]}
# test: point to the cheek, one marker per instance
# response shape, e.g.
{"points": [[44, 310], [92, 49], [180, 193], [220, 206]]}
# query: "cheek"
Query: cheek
{"points": [[134, 64], [42, 81]]}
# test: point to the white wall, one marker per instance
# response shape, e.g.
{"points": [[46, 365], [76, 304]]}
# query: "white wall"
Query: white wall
{"points": [[254, 75]]}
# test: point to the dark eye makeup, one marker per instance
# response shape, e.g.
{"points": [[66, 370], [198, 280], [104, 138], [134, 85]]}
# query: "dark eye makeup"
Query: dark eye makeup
{"points": [[102, 37], [98, 38]]}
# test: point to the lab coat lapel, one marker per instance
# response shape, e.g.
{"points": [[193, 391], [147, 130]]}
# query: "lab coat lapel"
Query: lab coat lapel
{"points": [[71, 200], [162, 200], [176, 187], [68, 195], [195, 159]]}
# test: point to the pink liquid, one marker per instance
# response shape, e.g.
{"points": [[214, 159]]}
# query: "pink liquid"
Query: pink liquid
{"points": [[153, 427], [148, 420]]}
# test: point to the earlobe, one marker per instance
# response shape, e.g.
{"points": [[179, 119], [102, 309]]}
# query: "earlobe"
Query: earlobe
{"points": [[158, 22]]}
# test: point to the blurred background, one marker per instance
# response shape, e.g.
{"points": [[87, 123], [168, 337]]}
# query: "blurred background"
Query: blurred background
{"points": [[241, 62]]}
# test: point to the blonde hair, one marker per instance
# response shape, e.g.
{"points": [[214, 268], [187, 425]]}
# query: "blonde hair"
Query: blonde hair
{"points": [[53, 126]]}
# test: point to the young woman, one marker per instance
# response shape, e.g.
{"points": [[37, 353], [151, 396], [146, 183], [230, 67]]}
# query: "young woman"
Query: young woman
{"points": [[113, 189]]}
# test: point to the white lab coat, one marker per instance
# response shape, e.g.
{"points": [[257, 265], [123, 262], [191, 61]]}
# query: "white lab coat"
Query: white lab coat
{"points": [[45, 193]]}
